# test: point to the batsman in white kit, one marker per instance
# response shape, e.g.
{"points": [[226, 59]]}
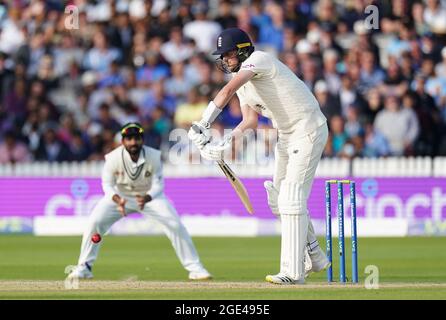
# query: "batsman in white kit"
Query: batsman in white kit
{"points": [[132, 181], [265, 85]]}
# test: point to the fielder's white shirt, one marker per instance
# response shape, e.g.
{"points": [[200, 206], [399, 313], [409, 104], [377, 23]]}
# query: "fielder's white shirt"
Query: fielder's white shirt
{"points": [[126, 178], [278, 94]]}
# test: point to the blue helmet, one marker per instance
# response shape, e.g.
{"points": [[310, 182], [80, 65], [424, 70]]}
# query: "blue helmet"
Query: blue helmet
{"points": [[233, 39]]}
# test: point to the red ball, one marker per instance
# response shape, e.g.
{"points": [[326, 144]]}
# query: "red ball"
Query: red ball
{"points": [[96, 238]]}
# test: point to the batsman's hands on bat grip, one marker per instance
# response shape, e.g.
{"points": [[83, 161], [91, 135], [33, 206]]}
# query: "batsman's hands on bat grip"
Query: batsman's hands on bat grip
{"points": [[198, 134], [142, 200], [273, 196], [216, 151]]}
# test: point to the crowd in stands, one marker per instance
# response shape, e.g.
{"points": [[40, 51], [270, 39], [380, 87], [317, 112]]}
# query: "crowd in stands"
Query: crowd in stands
{"points": [[70, 78]]}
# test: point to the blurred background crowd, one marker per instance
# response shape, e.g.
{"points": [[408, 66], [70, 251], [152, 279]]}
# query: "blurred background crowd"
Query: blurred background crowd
{"points": [[65, 92]]}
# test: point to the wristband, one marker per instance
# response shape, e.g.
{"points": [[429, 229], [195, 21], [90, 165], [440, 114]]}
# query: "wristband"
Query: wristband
{"points": [[211, 113]]}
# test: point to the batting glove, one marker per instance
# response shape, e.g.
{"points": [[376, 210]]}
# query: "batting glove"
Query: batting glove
{"points": [[273, 196], [216, 152], [198, 134]]}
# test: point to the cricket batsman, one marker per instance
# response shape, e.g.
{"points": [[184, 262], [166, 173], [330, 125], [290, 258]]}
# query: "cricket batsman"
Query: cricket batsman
{"points": [[132, 181], [265, 85]]}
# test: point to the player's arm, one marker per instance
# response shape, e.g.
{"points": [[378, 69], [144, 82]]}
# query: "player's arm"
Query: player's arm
{"points": [[227, 92], [214, 108], [223, 96], [108, 180], [157, 184], [157, 179], [109, 184], [250, 120]]}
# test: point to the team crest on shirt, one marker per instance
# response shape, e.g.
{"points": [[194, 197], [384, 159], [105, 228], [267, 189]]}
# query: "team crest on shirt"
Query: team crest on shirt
{"points": [[147, 174]]}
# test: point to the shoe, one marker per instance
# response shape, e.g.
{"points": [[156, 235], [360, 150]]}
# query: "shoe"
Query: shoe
{"points": [[201, 274], [316, 261], [282, 279], [81, 272]]}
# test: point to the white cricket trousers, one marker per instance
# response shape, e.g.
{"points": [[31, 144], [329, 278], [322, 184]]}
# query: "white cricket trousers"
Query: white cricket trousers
{"points": [[105, 214], [297, 158]]}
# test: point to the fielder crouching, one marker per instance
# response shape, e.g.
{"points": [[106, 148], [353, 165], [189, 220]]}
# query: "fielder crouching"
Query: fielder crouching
{"points": [[132, 181]]}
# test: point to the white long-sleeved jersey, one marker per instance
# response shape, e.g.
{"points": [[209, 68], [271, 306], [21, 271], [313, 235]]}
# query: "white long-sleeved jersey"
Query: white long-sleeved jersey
{"points": [[126, 178], [278, 94]]}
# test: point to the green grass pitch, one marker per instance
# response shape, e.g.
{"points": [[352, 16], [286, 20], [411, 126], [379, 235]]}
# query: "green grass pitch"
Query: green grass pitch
{"points": [[147, 268]]}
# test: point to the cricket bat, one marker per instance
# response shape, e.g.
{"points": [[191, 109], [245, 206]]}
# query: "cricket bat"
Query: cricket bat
{"points": [[237, 185], [234, 180]]}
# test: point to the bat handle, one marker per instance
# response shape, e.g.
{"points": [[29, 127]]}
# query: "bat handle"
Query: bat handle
{"points": [[199, 131], [196, 129]]}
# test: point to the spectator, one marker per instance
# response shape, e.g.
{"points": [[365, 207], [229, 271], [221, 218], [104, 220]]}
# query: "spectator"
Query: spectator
{"points": [[371, 75], [329, 104], [271, 33], [13, 151], [6, 76], [225, 18], [190, 111], [31, 131], [178, 85], [375, 104], [347, 94], [158, 97], [142, 59], [330, 72], [339, 137], [353, 128], [376, 144], [203, 31], [101, 55], [440, 68], [401, 44], [121, 34], [154, 69], [176, 49], [421, 27], [289, 58], [326, 11], [113, 76], [78, 148], [435, 86], [435, 16], [51, 148], [95, 96], [399, 126], [289, 39], [310, 73], [161, 122], [15, 100], [106, 120], [12, 35], [395, 83], [162, 25], [429, 119]]}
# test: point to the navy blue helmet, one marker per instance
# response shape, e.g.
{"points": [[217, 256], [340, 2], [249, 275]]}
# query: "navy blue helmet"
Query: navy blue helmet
{"points": [[233, 39]]}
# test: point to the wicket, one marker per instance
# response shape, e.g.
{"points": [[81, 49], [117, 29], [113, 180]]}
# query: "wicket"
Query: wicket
{"points": [[341, 241]]}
